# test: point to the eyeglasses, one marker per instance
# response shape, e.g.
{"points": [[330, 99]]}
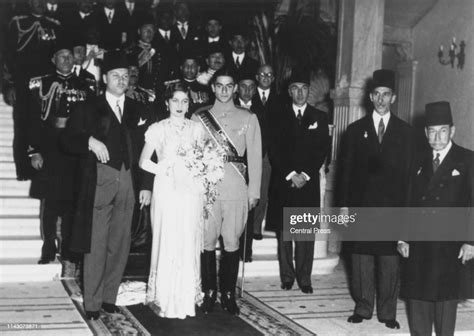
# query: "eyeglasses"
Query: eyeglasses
{"points": [[263, 74]]}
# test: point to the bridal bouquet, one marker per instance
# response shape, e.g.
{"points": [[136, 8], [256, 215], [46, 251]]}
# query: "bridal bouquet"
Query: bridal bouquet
{"points": [[205, 161]]}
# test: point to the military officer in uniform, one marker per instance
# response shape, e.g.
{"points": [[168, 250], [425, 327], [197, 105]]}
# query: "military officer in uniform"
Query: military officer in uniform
{"points": [[31, 40], [436, 274], [134, 90], [235, 129], [53, 98]]}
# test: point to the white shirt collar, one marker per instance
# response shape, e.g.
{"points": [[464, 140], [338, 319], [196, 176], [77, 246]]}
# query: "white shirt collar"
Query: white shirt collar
{"points": [[243, 104], [213, 39], [112, 100], [164, 32], [83, 15], [443, 152], [182, 24], [260, 92], [376, 119], [108, 10], [240, 56], [301, 108], [52, 7]]}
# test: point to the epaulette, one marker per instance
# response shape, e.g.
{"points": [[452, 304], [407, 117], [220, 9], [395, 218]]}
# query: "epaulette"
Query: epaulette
{"points": [[52, 20], [18, 17], [242, 108], [35, 82]]}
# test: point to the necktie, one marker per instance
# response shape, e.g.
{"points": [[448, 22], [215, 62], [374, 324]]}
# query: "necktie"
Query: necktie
{"points": [[118, 110], [237, 61], [109, 17], [167, 37], [264, 99], [381, 130], [183, 31], [299, 117], [436, 163], [130, 7], [77, 69]]}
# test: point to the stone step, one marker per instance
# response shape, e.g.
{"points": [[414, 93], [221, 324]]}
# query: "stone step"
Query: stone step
{"points": [[7, 169], [15, 249], [11, 227], [19, 206], [6, 119], [12, 187], [6, 156], [6, 133], [6, 150], [6, 142], [27, 270]]}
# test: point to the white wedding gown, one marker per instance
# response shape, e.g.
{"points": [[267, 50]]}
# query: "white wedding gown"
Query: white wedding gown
{"points": [[176, 217]]}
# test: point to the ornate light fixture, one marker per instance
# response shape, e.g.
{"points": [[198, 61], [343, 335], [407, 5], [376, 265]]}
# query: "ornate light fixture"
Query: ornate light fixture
{"points": [[453, 54]]}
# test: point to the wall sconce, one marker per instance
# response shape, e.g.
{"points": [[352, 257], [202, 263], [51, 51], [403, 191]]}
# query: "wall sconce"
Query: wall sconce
{"points": [[453, 54]]}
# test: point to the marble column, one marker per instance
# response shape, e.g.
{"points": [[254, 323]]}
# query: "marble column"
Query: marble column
{"points": [[359, 53]]}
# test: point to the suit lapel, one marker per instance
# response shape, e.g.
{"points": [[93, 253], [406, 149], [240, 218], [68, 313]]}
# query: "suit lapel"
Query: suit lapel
{"points": [[444, 168]]}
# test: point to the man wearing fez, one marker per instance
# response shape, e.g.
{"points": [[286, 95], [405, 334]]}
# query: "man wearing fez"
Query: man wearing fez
{"points": [[376, 162], [100, 132], [296, 159], [31, 40], [236, 130], [436, 273], [53, 98], [215, 60]]}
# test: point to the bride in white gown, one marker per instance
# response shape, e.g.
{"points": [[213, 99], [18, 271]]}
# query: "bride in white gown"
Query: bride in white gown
{"points": [[176, 212]]}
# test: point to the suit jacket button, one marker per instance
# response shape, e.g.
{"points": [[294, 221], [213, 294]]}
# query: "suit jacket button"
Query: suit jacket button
{"points": [[441, 185], [437, 198], [423, 198]]}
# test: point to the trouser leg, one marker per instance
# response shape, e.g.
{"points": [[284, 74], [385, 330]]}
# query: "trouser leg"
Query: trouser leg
{"points": [[50, 213], [388, 275], [304, 255], [246, 238], [445, 317], [420, 317], [285, 259], [119, 236], [363, 284]]}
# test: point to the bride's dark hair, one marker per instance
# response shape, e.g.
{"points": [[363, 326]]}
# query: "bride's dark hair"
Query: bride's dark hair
{"points": [[172, 88]]}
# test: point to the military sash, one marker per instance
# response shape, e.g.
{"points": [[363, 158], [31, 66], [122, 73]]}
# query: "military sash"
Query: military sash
{"points": [[222, 139]]}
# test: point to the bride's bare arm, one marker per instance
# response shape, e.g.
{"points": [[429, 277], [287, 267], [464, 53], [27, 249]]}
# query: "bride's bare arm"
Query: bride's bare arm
{"points": [[145, 162]]}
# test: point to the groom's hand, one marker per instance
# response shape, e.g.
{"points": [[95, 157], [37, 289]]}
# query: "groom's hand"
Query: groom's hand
{"points": [[144, 198]]}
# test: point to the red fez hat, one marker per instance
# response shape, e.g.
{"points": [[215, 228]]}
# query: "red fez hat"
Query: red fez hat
{"points": [[438, 113], [383, 78]]}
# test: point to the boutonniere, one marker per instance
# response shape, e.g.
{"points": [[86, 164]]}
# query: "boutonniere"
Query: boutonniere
{"points": [[313, 125], [365, 135], [419, 171], [141, 122], [455, 172]]}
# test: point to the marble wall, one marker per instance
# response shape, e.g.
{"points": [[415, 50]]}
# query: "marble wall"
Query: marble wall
{"points": [[436, 82]]}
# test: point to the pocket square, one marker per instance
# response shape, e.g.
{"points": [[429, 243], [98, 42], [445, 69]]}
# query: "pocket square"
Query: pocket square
{"points": [[313, 125], [141, 122], [455, 172], [419, 171]]}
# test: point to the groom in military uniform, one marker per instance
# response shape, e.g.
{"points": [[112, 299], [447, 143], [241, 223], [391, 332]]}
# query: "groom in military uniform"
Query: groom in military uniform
{"points": [[237, 130]]}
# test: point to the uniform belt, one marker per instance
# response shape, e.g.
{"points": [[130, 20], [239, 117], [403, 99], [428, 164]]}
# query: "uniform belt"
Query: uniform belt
{"points": [[59, 122], [233, 158]]}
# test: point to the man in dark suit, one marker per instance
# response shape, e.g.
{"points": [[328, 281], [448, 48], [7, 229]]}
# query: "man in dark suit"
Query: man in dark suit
{"points": [[185, 32], [134, 12], [376, 162], [267, 105], [198, 92], [111, 25], [213, 34], [296, 159], [435, 272], [237, 60], [100, 132], [79, 20]]}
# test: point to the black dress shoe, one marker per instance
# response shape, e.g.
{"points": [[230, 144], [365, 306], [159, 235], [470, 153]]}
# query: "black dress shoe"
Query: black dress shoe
{"points": [[286, 285], [92, 315], [44, 261], [257, 236], [110, 308], [356, 318], [229, 304], [392, 324], [307, 289]]}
